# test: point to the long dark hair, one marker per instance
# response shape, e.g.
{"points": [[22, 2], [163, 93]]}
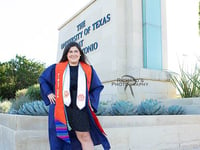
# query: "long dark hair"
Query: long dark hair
{"points": [[64, 58]]}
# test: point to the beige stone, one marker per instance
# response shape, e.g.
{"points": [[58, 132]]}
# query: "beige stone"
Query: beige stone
{"points": [[162, 132]]}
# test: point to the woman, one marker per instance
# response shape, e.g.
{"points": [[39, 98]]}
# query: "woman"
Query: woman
{"points": [[72, 89]]}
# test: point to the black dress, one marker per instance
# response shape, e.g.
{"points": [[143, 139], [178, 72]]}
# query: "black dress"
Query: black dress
{"points": [[78, 119]]}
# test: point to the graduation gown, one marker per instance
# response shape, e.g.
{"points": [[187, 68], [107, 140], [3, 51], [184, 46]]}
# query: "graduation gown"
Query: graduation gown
{"points": [[47, 86]]}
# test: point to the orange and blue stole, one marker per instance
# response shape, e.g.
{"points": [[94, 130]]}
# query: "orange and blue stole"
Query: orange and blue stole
{"points": [[59, 114]]}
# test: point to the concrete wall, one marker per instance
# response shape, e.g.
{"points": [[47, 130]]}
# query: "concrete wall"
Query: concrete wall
{"points": [[23, 132], [124, 132]]}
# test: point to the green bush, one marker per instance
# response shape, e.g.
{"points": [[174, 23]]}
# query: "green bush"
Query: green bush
{"points": [[24, 96], [33, 92], [20, 93]]}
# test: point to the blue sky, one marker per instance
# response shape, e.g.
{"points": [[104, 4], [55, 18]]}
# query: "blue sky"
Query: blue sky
{"points": [[30, 28]]}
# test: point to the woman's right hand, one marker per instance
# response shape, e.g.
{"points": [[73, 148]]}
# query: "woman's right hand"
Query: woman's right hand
{"points": [[52, 98]]}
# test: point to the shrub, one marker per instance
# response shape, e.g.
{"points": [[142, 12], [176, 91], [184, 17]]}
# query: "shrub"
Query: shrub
{"points": [[20, 93], [16, 104], [33, 92]]}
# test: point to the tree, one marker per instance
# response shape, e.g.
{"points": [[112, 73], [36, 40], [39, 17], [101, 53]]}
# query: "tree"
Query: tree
{"points": [[17, 74], [7, 86]]}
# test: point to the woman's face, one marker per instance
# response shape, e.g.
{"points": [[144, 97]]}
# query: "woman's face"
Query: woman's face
{"points": [[73, 56]]}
